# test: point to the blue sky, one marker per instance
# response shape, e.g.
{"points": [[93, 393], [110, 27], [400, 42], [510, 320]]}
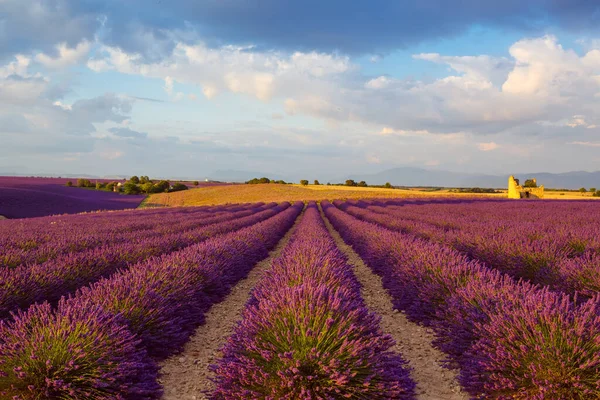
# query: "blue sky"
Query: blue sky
{"points": [[309, 89]]}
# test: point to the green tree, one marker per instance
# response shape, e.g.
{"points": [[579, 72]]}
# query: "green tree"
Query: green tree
{"points": [[350, 182], [134, 179], [530, 183], [147, 187], [388, 185], [593, 190], [195, 183], [304, 182], [362, 184], [84, 183], [69, 183], [316, 182], [144, 179], [131, 188], [177, 187], [583, 190], [597, 194], [161, 187]]}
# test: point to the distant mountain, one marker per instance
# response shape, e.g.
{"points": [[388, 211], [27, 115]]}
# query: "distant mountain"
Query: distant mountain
{"points": [[408, 176]]}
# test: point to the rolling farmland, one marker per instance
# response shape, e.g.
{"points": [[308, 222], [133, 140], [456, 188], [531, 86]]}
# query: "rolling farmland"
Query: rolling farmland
{"points": [[395, 298]]}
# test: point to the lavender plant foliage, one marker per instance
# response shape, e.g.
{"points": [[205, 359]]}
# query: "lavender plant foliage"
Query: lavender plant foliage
{"points": [[306, 333], [72, 352], [24, 285], [545, 349], [159, 302], [512, 340]]}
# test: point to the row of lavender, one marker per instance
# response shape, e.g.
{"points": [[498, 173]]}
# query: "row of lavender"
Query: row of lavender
{"points": [[103, 343], [512, 340], [41, 239], [27, 284], [306, 333], [559, 247]]}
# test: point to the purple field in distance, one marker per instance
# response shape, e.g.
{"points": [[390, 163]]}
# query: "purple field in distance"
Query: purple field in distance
{"points": [[25, 197]]}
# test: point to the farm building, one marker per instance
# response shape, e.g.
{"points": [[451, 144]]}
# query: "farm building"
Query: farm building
{"points": [[516, 191]]}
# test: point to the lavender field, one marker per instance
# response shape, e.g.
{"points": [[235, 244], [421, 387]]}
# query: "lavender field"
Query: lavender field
{"points": [[24, 197], [304, 301]]}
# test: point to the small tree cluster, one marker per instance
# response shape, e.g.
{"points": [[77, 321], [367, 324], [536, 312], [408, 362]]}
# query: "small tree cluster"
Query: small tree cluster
{"points": [[304, 182]]}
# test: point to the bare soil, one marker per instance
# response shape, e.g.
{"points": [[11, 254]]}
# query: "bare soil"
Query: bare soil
{"points": [[186, 376], [413, 342]]}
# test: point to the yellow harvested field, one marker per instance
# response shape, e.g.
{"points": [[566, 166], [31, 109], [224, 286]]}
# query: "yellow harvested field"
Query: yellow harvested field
{"points": [[275, 192]]}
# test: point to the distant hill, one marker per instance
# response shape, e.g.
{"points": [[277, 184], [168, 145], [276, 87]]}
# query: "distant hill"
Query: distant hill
{"points": [[408, 176]]}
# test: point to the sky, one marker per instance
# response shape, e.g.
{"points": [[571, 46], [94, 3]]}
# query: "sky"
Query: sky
{"points": [[314, 89]]}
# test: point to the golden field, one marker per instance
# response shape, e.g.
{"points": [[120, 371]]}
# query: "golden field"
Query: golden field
{"points": [[275, 192]]}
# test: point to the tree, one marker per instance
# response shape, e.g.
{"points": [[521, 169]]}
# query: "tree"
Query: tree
{"points": [[195, 183], [69, 183], [530, 183], [144, 179], [100, 185], [147, 187], [316, 182], [597, 194], [177, 187], [84, 183], [388, 185], [161, 187], [304, 182], [362, 184], [593, 190], [350, 182], [583, 190], [134, 179], [281, 182], [131, 188]]}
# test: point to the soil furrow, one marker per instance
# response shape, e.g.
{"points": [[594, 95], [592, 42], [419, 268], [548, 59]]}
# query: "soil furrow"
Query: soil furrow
{"points": [[186, 376], [413, 342]]}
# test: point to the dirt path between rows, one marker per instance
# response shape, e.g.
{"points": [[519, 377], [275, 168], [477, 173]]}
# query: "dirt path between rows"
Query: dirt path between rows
{"points": [[413, 342], [186, 376]]}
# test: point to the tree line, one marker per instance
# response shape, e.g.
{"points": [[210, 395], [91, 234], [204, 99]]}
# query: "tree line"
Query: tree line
{"points": [[135, 185]]}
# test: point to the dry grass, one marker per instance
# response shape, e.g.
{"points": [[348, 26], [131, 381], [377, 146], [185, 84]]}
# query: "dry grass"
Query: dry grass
{"points": [[278, 193]]}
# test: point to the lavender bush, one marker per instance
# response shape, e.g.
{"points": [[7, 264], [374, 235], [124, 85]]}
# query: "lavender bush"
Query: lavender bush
{"points": [[306, 333]]}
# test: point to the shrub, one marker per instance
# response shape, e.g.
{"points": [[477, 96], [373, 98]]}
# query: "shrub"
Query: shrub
{"points": [[69, 183], [177, 187], [388, 185], [304, 182], [195, 183], [74, 353], [100, 185]]}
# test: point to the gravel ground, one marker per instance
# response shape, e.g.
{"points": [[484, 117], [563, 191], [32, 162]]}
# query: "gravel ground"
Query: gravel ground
{"points": [[434, 382], [186, 376]]}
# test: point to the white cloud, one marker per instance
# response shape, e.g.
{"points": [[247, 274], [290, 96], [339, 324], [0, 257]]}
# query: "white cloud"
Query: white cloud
{"points": [[65, 56], [487, 146], [230, 68]]}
